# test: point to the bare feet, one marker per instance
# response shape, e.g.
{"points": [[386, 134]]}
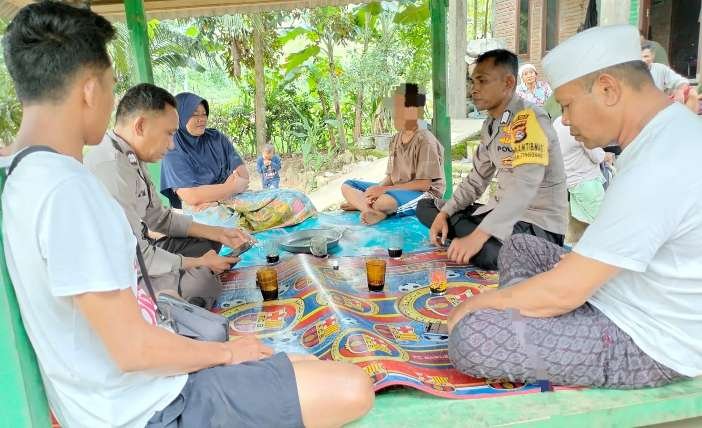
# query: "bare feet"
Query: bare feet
{"points": [[371, 217], [347, 207]]}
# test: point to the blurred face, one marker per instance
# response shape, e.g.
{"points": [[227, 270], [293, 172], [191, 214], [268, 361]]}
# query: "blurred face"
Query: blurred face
{"points": [[152, 134], [529, 77], [403, 117], [647, 56], [198, 122], [98, 97], [490, 85], [590, 114], [268, 154]]}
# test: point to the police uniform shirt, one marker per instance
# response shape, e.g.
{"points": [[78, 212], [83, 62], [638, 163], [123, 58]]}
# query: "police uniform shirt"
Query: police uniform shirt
{"points": [[126, 178], [521, 150]]}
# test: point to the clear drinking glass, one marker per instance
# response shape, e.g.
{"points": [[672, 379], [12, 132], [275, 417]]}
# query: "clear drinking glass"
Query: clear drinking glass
{"points": [[318, 246], [438, 282]]}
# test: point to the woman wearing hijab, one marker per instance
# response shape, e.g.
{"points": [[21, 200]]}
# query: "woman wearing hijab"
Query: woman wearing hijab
{"points": [[203, 167], [530, 88], [206, 177]]}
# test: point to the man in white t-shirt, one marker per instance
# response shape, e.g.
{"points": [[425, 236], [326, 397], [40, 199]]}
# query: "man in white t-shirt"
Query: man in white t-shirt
{"points": [[71, 257], [623, 309]]}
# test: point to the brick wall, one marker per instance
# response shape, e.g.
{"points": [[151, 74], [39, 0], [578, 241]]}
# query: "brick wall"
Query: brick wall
{"points": [[571, 14]]}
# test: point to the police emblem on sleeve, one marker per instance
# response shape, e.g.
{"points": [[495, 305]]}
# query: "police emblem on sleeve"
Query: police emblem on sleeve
{"points": [[527, 139]]}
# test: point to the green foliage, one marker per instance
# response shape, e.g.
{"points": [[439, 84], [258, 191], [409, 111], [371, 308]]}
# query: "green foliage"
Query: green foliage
{"points": [[10, 108]]}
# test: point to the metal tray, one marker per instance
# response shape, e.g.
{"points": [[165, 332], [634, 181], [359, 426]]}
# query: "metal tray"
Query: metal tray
{"points": [[299, 242]]}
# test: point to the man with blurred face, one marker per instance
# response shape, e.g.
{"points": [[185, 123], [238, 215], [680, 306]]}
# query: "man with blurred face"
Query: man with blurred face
{"points": [[622, 309], [186, 259], [519, 148]]}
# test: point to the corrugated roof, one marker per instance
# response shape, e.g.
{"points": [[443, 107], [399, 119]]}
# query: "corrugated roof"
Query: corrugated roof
{"points": [[166, 9]]}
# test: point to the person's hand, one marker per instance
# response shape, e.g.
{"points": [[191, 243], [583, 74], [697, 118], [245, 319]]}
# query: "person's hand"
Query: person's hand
{"points": [[217, 263], [439, 228], [374, 192], [463, 249], [203, 206], [247, 348], [232, 237]]}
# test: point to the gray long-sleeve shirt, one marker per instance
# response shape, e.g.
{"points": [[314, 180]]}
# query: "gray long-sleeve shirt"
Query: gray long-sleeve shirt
{"points": [[116, 165], [521, 149]]}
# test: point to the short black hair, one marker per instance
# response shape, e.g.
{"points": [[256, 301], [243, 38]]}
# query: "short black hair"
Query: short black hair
{"points": [[144, 97], [47, 43], [634, 73], [413, 94], [501, 58], [648, 46]]}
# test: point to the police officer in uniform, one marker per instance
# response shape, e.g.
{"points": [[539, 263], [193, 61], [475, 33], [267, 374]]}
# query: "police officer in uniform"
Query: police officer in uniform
{"points": [[185, 260], [520, 149]]}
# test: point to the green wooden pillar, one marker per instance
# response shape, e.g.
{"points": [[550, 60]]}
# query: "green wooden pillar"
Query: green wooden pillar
{"points": [[22, 399], [441, 123], [139, 41]]}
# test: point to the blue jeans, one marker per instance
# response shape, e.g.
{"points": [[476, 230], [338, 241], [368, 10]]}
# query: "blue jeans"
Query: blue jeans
{"points": [[406, 199]]}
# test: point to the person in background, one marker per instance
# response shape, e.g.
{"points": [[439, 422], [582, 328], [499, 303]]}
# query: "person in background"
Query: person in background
{"points": [[668, 81], [531, 88], [583, 175], [659, 53], [204, 166], [269, 165]]}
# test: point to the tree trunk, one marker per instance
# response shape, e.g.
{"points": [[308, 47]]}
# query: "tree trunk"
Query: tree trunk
{"points": [[475, 19], [358, 119], [485, 23], [236, 59], [341, 134], [260, 103], [325, 108]]}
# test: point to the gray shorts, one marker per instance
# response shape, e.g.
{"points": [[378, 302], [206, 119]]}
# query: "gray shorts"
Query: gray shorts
{"points": [[252, 394]]}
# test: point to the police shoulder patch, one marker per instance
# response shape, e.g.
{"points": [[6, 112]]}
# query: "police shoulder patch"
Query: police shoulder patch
{"points": [[527, 138]]}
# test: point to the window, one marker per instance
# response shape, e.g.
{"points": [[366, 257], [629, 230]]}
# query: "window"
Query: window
{"points": [[550, 24], [523, 34]]}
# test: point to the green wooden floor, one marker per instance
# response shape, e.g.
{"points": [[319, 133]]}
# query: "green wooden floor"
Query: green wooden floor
{"points": [[571, 409]]}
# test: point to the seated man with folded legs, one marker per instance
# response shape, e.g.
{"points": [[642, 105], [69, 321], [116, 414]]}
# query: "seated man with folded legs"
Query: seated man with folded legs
{"points": [[186, 259], [71, 255], [623, 309], [519, 148], [415, 166]]}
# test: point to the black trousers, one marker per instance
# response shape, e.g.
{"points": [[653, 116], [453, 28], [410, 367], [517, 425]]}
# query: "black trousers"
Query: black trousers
{"points": [[463, 223]]}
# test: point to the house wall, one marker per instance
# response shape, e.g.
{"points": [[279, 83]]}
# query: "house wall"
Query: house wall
{"points": [[571, 14]]}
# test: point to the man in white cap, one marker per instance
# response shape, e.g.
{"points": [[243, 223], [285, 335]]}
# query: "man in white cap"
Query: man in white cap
{"points": [[623, 309]]}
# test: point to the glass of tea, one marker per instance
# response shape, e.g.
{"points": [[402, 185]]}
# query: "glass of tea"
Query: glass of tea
{"points": [[375, 273], [272, 251], [267, 281], [438, 283], [395, 243]]}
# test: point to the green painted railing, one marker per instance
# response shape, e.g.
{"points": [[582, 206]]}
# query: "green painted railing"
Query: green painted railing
{"points": [[22, 399]]}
